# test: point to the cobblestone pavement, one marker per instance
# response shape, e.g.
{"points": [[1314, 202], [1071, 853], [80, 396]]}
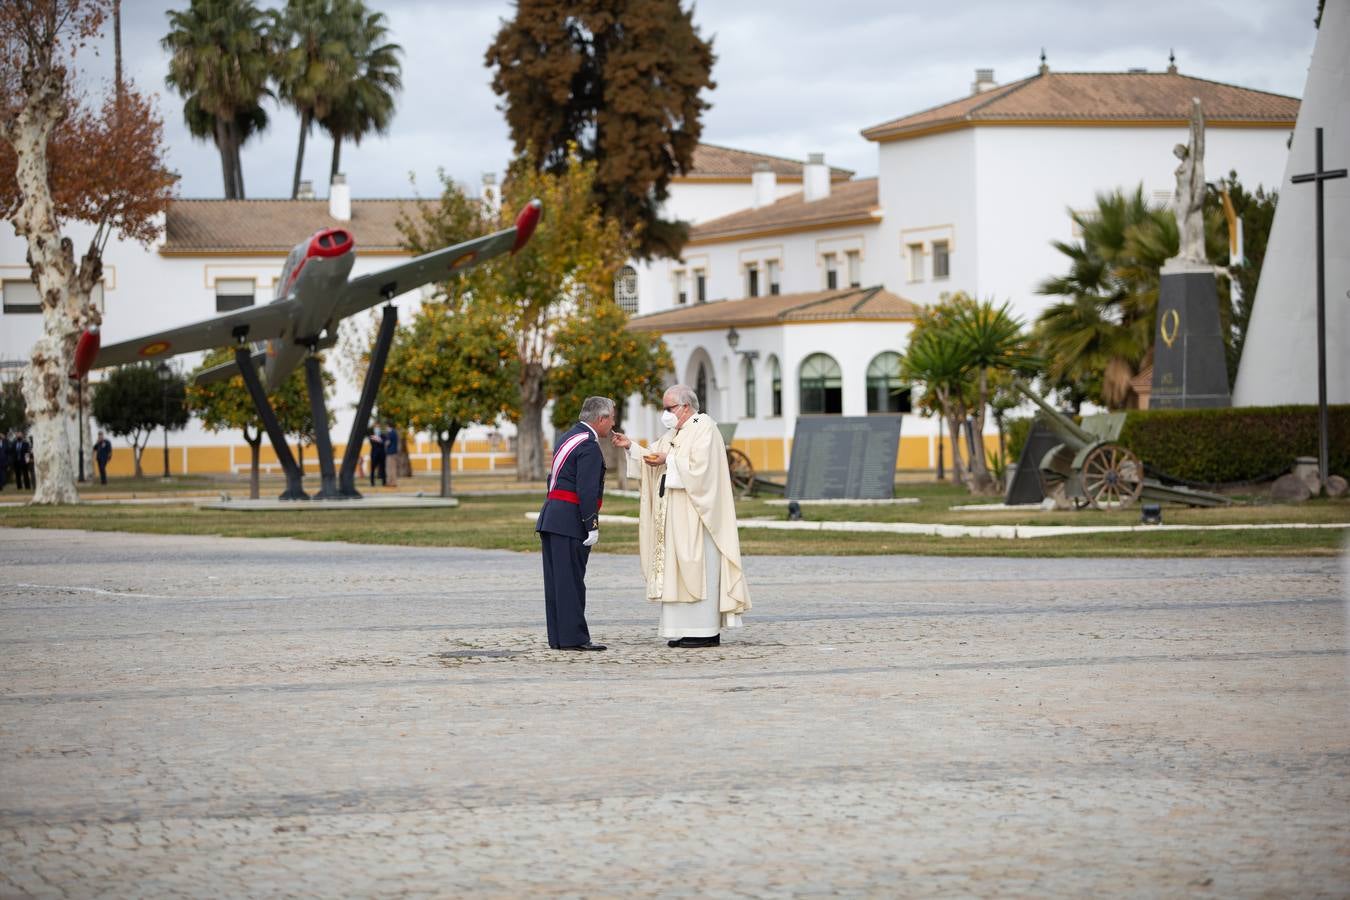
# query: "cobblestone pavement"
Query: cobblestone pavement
{"points": [[228, 717]]}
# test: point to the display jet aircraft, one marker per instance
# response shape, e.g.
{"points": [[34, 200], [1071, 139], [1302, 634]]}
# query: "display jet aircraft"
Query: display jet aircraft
{"points": [[313, 294]]}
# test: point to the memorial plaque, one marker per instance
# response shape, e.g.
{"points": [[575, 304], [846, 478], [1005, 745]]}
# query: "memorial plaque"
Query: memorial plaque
{"points": [[844, 458], [1025, 486], [1189, 369]]}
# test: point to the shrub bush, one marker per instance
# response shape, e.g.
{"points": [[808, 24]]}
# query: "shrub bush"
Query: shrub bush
{"points": [[1238, 444]]}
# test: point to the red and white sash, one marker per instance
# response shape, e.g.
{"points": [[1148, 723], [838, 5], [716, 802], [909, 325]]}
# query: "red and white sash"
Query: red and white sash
{"points": [[564, 451]]}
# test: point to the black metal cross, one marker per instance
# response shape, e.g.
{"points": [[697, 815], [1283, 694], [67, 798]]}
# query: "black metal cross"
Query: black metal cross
{"points": [[1320, 176]]}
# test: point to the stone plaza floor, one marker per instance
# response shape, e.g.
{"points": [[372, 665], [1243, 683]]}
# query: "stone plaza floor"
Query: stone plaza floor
{"points": [[229, 717]]}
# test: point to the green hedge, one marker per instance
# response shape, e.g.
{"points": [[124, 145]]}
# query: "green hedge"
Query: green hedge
{"points": [[1237, 444]]}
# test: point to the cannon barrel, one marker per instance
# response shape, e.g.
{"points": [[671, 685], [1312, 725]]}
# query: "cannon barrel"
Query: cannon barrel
{"points": [[1061, 424]]}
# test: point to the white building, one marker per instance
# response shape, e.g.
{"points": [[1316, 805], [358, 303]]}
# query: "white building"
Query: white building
{"points": [[816, 272], [968, 197]]}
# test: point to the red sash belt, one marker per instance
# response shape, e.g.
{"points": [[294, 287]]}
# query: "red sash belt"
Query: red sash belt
{"points": [[571, 497]]}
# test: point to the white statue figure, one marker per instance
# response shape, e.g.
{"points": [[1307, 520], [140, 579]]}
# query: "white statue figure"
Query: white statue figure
{"points": [[1189, 203]]}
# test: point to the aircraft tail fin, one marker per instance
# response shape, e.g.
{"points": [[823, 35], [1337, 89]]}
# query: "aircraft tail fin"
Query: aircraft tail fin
{"points": [[225, 371]]}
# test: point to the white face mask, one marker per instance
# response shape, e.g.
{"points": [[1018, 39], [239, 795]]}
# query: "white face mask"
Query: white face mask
{"points": [[669, 419]]}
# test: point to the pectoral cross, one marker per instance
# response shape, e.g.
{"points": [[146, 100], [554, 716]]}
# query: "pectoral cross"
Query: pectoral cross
{"points": [[1320, 176]]}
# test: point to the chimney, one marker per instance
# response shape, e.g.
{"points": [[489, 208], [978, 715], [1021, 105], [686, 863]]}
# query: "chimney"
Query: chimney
{"points": [[340, 199], [489, 194], [764, 184], [815, 178], [984, 81], [306, 191]]}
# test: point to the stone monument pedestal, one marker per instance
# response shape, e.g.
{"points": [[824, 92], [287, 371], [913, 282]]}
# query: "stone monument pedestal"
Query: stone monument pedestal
{"points": [[1189, 369]]}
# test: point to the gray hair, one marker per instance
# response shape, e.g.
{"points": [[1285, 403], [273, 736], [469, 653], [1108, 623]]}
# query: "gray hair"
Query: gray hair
{"points": [[595, 407], [684, 395]]}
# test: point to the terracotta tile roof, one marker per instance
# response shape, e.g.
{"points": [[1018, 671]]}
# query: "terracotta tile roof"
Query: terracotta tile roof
{"points": [[273, 226], [849, 201], [714, 162], [1101, 96], [848, 304]]}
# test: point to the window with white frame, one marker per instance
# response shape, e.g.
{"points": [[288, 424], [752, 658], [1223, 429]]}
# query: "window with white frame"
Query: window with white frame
{"points": [[915, 261], [831, 271], [681, 287], [775, 387], [749, 388], [234, 293], [854, 260], [700, 286], [941, 259], [886, 392], [771, 270], [752, 280], [20, 297], [821, 386], [626, 290]]}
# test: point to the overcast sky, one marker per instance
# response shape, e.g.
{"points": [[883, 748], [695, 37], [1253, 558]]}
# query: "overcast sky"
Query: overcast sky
{"points": [[793, 76]]}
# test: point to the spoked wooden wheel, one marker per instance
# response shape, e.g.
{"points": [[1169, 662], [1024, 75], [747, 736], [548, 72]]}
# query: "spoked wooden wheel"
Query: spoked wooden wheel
{"points": [[742, 472], [1112, 477]]}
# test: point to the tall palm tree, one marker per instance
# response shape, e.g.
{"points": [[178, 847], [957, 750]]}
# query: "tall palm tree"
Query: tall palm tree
{"points": [[315, 63], [221, 59], [366, 102]]}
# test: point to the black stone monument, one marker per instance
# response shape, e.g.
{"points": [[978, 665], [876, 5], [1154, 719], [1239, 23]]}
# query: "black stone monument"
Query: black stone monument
{"points": [[1189, 369], [1025, 486], [844, 458]]}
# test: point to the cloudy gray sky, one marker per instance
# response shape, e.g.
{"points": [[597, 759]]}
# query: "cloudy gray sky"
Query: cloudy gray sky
{"points": [[793, 76]]}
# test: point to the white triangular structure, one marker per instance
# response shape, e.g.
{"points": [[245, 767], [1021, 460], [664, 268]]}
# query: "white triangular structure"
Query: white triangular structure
{"points": [[1279, 358]]}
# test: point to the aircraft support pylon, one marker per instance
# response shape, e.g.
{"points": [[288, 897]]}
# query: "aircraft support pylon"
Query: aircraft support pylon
{"points": [[294, 488], [323, 444], [369, 389]]}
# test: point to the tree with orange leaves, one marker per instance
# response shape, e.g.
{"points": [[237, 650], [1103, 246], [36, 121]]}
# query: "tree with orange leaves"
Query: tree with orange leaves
{"points": [[65, 160]]}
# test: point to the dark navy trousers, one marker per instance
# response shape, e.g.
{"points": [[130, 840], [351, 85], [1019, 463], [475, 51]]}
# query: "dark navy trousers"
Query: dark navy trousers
{"points": [[565, 589]]}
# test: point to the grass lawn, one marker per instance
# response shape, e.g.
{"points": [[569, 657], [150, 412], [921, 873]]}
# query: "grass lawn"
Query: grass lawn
{"points": [[498, 522]]}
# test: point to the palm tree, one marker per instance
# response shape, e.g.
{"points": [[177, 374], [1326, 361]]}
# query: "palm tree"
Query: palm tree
{"points": [[315, 63], [221, 59], [1099, 336], [366, 102], [991, 340], [936, 359]]}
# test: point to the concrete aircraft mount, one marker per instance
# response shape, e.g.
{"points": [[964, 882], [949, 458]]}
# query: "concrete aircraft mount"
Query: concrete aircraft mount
{"points": [[313, 294]]}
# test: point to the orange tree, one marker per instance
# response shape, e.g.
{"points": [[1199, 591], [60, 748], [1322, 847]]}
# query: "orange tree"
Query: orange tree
{"points": [[452, 366], [600, 359], [566, 270]]}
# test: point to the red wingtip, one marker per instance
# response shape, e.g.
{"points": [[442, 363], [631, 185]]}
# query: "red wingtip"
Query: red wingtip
{"points": [[526, 222], [85, 351]]}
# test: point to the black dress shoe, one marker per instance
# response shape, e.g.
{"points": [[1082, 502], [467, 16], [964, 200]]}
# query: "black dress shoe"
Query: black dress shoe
{"points": [[586, 646], [714, 641]]}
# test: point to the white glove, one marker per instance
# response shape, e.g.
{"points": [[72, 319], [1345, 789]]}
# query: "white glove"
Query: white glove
{"points": [[591, 538]]}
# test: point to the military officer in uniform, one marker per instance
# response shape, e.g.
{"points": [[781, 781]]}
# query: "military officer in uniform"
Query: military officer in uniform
{"points": [[569, 523]]}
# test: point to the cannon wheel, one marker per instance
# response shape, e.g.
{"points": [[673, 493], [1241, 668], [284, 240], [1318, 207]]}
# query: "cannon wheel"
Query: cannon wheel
{"points": [[742, 472], [1112, 477]]}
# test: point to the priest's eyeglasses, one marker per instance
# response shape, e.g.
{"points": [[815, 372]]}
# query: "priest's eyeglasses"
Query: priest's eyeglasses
{"points": [[675, 407]]}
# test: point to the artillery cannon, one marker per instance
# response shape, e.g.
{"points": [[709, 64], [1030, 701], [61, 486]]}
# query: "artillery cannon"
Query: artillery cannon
{"points": [[1089, 467]]}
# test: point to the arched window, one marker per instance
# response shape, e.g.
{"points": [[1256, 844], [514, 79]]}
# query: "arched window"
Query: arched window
{"points": [[749, 388], [822, 385], [626, 290], [886, 393], [776, 381], [701, 385]]}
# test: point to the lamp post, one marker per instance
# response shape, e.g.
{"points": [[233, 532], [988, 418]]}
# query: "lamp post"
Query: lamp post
{"points": [[79, 400], [165, 376]]}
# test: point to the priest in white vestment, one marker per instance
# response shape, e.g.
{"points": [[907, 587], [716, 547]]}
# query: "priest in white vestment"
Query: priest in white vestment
{"points": [[691, 553]]}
